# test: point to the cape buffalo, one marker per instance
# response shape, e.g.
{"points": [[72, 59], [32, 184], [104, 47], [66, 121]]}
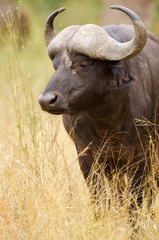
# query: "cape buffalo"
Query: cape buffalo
{"points": [[105, 78]]}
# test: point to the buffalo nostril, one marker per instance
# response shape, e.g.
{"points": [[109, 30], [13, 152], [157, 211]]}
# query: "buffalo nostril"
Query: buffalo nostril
{"points": [[53, 100], [47, 100]]}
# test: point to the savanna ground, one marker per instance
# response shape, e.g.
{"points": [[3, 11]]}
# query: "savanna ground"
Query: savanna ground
{"points": [[42, 192]]}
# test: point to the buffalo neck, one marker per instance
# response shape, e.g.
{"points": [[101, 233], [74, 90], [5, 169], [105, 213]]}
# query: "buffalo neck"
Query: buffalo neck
{"points": [[110, 113]]}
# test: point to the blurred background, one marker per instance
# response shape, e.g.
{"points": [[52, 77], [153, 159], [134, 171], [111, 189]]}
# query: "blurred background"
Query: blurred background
{"points": [[42, 191], [82, 12]]}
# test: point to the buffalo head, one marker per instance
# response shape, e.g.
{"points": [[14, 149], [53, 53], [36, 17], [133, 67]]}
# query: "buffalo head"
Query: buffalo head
{"points": [[87, 63]]}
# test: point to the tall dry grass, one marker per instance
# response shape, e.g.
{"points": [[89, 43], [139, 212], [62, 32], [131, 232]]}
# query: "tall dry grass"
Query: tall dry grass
{"points": [[42, 191]]}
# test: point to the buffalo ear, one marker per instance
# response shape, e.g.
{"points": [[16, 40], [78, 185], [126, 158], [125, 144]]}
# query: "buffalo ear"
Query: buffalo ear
{"points": [[118, 77]]}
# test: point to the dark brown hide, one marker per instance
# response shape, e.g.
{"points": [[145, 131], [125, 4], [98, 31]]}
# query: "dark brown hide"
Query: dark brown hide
{"points": [[101, 101]]}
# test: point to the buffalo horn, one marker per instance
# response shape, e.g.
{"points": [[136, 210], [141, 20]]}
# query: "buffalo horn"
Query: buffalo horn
{"points": [[140, 38], [49, 32], [95, 42]]}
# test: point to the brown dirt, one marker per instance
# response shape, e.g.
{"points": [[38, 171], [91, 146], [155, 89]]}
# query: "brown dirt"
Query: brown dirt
{"points": [[145, 9]]}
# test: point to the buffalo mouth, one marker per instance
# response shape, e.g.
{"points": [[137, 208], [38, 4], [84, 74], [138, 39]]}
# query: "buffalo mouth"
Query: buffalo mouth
{"points": [[60, 111], [55, 111]]}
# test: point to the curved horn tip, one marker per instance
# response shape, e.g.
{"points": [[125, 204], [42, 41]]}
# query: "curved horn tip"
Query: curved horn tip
{"points": [[61, 9], [54, 14], [49, 32], [129, 12], [117, 7]]}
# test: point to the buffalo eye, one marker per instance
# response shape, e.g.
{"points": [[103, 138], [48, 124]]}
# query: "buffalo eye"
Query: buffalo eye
{"points": [[83, 66], [80, 62]]}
